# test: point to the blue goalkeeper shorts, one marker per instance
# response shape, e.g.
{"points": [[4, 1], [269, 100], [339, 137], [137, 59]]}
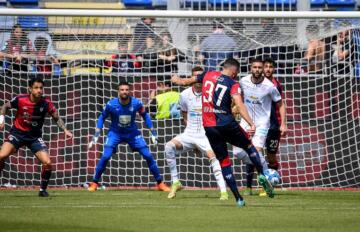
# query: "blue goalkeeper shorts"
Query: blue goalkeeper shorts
{"points": [[135, 142]]}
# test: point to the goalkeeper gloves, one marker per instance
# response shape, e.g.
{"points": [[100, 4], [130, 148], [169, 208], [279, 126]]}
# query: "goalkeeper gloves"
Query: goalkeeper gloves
{"points": [[94, 139], [154, 137]]}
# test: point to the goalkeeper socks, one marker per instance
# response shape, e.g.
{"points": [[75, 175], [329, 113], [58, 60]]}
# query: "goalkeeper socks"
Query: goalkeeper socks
{"points": [[255, 158], [100, 167], [215, 164], [249, 175], [229, 177], [145, 152], [45, 176], [170, 151]]}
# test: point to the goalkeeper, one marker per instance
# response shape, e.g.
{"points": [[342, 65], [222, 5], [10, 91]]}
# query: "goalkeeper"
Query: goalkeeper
{"points": [[123, 128]]}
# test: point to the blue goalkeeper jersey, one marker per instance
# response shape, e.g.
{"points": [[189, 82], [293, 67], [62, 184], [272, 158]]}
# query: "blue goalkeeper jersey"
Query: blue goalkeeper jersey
{"points": [[122, 116]]}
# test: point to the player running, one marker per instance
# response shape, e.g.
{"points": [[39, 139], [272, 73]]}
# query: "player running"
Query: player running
{"points": [[31, 111], [218, 91], [259, 94], [193, 138], [123, 128]]}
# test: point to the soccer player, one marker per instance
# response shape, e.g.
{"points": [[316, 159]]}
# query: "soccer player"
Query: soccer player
{"points": [[277, 119], [31, 111], [123, 128], [218, 91], [193, 138], [259, 93]]}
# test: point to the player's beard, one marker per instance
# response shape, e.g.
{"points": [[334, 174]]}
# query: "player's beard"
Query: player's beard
{"points": [[124, 97]]}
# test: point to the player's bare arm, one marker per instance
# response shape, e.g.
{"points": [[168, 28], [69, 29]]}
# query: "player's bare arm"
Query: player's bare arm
{"points": [[3, 113], [239, 103], [282, 111], [61, 124], [183, 81]]}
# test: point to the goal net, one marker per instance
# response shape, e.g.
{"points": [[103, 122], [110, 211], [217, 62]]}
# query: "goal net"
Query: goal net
{"points": [[83, 58]]}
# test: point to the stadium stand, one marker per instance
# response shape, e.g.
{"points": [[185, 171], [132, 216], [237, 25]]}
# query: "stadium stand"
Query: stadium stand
{"points": [[138, 3]]}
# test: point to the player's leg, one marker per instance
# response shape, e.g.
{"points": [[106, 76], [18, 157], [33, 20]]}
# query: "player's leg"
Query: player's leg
{"points": [[6, 150], [249, 167], [12, 143], [110, 145], [238, 137], [138, 144], [205, 147], [172, 148], [272, 146], [219, 146], [39, 148]]}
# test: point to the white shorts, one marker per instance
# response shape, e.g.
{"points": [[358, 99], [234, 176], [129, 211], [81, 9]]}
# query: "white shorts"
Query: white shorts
{"points": [[259, 138], [191, 142]]}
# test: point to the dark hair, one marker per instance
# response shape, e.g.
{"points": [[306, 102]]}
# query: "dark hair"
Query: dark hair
{"points": [[256, 60], [23, 40], [218, 25], [197, 69], [269, 60], [231, 62], [124, 83], [35, 79]]}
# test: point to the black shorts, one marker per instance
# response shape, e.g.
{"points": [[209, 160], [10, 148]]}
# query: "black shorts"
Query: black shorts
{"points": [[219, 136], [273, 141], [19, 139]]}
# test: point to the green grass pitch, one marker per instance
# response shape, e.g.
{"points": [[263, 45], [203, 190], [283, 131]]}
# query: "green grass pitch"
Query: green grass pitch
{"points": [[191, 210]]}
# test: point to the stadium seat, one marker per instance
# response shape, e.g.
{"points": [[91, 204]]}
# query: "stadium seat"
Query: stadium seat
{"points": [[33, 22], [24, 2], [281, 2], [317, 3], [159, 3], [223, 2], [195, 3], [340, 3], [7, 22], [3, 3], [142, 3]]}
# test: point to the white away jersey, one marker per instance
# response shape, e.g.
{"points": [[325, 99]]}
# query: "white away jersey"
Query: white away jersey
{"points": [[191, 103], [258, 99]]}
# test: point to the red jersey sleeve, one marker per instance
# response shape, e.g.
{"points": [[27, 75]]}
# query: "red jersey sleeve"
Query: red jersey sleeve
{"points": [[51, 107], [235, 89]]}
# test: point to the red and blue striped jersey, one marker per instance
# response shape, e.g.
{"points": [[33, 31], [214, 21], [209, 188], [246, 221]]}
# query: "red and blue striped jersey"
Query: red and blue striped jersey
{"points": [[275, 119], [217, 90], [30, 116]]}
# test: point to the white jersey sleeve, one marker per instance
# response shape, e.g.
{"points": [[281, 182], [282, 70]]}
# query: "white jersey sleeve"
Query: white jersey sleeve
{"points": [[275, 94]]}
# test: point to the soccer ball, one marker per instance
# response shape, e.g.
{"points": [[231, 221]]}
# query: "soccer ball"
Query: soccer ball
{"points": [[272, 176]]}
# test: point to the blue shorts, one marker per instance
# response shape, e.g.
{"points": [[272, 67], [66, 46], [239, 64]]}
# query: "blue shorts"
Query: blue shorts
{"points": [[19, 139], [135, 142], [220, 136]]}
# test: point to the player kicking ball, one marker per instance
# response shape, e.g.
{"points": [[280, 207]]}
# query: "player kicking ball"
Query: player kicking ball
{"points": [[193, 138], [123, 128], [219, 90], [31, 111]]}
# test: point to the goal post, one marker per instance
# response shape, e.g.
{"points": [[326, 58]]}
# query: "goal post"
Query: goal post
{"points": [[83, 54]]}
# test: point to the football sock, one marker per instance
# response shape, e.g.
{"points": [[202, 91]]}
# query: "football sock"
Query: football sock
{"points": [[249, 175], [45, 176], [215, 164], [170, 151], [229, 177], [255, 158], [145, 152], [100, 167], [263, 161]]}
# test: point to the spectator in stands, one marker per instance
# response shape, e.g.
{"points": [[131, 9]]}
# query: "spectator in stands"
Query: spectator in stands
{"points": [[122, 61], [142, 30], [168, 55], [315, 52], [341, 53], [149, 56], [43, 56], [164, 103], [217, 47], [17, 50]]}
